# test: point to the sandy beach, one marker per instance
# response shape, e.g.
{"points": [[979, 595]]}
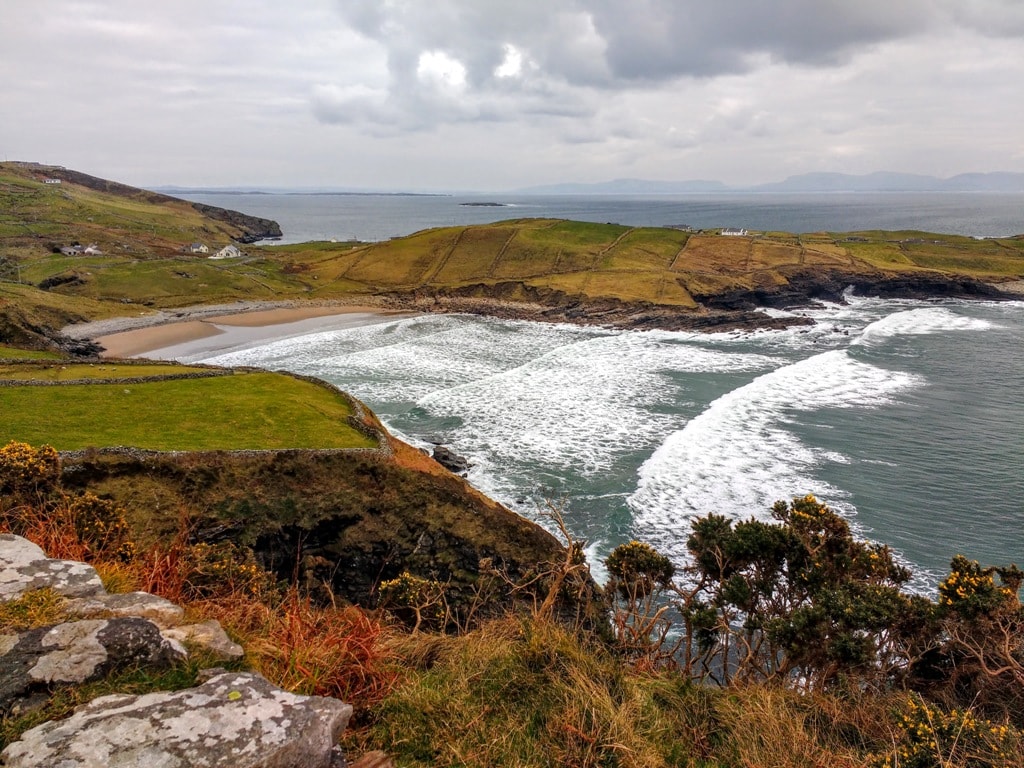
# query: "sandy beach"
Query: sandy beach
{"points": [[206, 330]]}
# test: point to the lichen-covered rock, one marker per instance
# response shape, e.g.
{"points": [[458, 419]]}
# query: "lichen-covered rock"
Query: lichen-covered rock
{"points": [[237, 720], [160, 611], [77, 652], [24, 567], [208, 635]]}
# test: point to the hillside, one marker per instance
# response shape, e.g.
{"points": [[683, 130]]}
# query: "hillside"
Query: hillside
{"points": [[541, 269], [295, 469], [273, 503]]}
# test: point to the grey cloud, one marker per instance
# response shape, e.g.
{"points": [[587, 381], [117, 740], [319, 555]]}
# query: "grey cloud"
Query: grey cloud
{"points": [[659, 39], [998, 18], [610, 45]]}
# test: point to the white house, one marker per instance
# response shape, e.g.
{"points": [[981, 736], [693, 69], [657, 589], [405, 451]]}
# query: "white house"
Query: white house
{"points": [[51, 181], [227, 252], [199, 248], [731, 232]]}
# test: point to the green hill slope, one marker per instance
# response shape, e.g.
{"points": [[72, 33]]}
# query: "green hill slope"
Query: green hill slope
{"points": [[534, 268]]}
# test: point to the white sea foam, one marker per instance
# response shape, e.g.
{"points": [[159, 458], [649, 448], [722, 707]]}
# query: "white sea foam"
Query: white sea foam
{"points": [[737, 457], [577, 406], [919, 322], [408, 359]]}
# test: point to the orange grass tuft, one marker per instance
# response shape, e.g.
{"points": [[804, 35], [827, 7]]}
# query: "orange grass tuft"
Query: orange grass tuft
{"points": [[324, 651]]}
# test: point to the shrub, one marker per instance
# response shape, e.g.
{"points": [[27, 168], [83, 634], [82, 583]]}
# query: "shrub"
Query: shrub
{"points": [[27, 470], [927, 737]]}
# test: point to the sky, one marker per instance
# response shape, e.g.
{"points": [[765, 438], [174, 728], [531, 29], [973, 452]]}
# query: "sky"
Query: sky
{"points": [[503, 94]]}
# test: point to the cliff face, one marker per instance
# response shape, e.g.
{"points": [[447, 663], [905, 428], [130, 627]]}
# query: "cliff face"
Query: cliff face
{"points": [[253, 227], [350, 520]]}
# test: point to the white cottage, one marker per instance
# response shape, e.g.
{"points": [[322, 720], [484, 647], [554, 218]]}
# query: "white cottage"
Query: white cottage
{"points": [[227, 252]]}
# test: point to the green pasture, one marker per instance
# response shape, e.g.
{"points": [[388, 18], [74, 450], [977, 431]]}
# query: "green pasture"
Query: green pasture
{"points": [[98, 371], [242, 411], [15, 353]]}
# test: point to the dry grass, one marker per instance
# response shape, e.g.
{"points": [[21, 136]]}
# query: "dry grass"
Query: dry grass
{"points": [[712, 253]]}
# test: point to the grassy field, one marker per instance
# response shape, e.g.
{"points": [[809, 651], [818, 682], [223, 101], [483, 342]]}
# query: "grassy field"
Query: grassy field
{"points": [[238, 411], [142, 265], [15, 353]]}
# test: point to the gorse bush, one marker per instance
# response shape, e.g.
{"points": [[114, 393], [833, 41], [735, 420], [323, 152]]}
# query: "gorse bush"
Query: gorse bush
{"points": [[927, 737], [24, 469], [801, 601]]}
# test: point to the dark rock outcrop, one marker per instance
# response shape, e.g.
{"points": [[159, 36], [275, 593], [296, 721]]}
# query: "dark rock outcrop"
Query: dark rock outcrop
{"points": [[806, 287], [253, 228], [450, 460]]}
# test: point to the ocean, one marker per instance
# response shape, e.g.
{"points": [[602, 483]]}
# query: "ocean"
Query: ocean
{"points": [[906, 416], [306, 217]]}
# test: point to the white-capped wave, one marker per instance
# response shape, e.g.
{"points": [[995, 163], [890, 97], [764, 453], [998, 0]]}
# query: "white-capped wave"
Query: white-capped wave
{"points": [[408, 359], [919, 322], [737, 457], [578, 406]]}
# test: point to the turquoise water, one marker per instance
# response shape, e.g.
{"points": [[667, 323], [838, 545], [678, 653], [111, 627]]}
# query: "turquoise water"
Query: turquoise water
{"points": [[907, 416]]}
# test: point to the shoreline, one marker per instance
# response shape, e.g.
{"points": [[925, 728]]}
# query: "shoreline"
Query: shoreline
{"points": [[185, 329], [205, 328]]}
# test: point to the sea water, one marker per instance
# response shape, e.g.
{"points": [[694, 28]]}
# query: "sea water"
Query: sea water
{"points": [[306, 217], [906, 416]]}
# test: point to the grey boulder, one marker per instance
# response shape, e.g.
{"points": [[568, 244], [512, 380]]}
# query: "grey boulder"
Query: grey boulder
{"points": [[75, 653], [235, 719], [24, 567]]}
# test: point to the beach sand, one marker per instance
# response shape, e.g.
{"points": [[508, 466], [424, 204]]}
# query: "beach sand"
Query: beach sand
{"points": [[216, 333]]}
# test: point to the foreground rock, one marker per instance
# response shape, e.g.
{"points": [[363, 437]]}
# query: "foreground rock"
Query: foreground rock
{"points": [[235, 719], [77, 652], [101, 634], [24, 567]]}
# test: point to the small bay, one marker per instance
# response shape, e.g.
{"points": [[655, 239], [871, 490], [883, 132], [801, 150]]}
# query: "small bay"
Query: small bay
{"points": [[907, 416]]}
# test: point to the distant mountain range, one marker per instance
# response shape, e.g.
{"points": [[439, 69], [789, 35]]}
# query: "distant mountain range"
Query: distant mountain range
{"points": [[882, 181]]}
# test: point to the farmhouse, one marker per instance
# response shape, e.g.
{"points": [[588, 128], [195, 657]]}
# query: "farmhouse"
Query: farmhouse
{"points": [[198, 248], [227, 252], [732, 232]]}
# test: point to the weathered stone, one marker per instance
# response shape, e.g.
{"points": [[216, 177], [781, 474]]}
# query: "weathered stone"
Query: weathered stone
{"points": [[77, 652], [238, 720], [209, 636], [24, 567], [450, 460], [161, 612]]}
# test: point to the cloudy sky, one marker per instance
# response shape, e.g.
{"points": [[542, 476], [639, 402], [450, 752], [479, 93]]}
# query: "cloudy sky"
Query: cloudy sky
{"points": [[499, 94]]}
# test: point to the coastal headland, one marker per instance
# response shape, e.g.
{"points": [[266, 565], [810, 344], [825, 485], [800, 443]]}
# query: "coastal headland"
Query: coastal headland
{"points": [[347, 563]]}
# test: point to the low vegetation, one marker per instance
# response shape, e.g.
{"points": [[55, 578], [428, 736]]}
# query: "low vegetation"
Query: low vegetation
{"points": [[799, 623], [151, 406]]}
